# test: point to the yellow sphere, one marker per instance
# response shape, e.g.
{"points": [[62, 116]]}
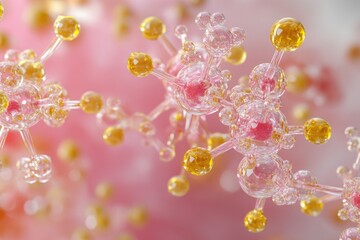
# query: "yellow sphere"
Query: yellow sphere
{"points": [[178, 186], [91, 102], [317, 131], [152, 28], [66, 28], [113, 135], [287, 34], [1, 10], [68, 151], [215, 140], [236, 55], [34, 71], [140, 64], [312, 206], [4, 102], [198, 161], [255, 221]]}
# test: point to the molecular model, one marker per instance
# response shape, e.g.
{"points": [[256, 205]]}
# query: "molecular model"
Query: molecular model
{"points": [[194, 85], [26, 97]]}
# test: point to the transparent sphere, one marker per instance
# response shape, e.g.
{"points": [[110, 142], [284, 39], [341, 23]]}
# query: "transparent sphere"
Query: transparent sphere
{"points": [[350, 234], [23, 110], [11, 75], [218, 40], [260, 128], [259, 176], [35, 168], [192, 95], [266, 80]]}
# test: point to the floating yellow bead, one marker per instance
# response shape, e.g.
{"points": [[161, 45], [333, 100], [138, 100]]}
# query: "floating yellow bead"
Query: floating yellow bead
{"points": [[317, 131], [68, 151], [140, 64], [287, 34], [312, 206], [4, 102], [125, 236], [301, 112], [81, 234], [1, 10], [104, 190], [215, 140], [66, 28], [198, 161], [178, 185], [236, 55], [4, 40], [255, 221], [91, 102], [297, 82], [113, 135], [38, 16], [152, 28], [138, 216], [34, 71]]}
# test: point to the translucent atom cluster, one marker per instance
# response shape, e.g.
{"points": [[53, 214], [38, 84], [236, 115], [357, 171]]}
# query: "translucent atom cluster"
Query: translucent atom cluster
{"points": [[197, 87], [26, 97]]}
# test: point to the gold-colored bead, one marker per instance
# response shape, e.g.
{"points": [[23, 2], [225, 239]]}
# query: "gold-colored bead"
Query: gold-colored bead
{"points": [[4, 41], [312, 206], [236, 55], [297, 82], [91, 102], [152, 28], [68, 151], [255, 221], [38, 16], [198, 161], [104, 190], [317, 131], [138, 216], [113, 135], [287, 34], [215, 139], [4, 102], [301, 112], [167, 154], [66, 28], [140, 64], [178, 185], [81, 234], [34, 71]]}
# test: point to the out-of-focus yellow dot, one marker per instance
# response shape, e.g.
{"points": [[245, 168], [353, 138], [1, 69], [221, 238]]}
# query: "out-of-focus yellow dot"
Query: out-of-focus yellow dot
{"points": [[178, 186], [104, 190], [1, 10], [66, 28], [198, 161], [125, 236], [215, 139], [4, 160], [138, 216], [140, 64], [28, 54], [91, 102], [4, 102], [287, 34], [197, 3], [236, 55], [297, 82], [317, 131], [38, 16], [301, 112], [113, 135], [68, 151], [4, 41], [353, 52], [312, 206], [152, 28], [255, 221], [81, 234]]}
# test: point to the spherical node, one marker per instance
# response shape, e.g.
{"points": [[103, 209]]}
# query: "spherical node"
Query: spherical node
{"points": [[297, 81], [34, 71], [167, 154], [215, 139], [287, 34], [140, 64], [236, 55], [11, 75], [91, 102], [178, 186], [38, 16], [4, 102], [350, 234], [67, 28], [152, 28], [317, 131], [255, 221], [312, 206], [198, 161], [113, 135]]}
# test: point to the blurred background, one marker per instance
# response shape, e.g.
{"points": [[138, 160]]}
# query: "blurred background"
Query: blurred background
{"points": [[104, 192]]}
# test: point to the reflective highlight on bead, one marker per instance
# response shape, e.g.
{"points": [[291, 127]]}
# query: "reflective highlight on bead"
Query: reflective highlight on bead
{"points": [[178, 186]]}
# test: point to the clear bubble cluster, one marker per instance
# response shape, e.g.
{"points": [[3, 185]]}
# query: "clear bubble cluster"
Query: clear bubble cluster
{"points": [[27, 97]]}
